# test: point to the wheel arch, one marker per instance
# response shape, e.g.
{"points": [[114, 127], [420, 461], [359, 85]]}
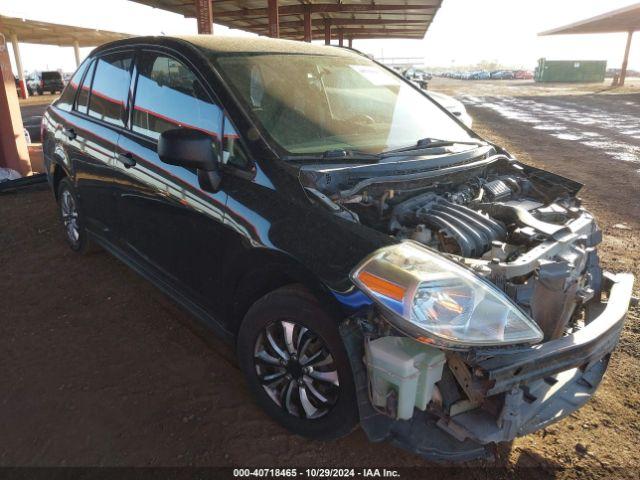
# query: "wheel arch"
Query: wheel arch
{"points": [[58, 166], [58, 173], [268, 271]]}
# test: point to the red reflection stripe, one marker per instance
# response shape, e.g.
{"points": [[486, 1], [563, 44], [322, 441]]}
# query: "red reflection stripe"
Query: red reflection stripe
{"points": [[175, 122]]}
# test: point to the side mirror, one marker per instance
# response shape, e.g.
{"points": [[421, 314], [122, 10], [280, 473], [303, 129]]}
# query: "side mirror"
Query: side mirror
{"points": [[189, 148]]}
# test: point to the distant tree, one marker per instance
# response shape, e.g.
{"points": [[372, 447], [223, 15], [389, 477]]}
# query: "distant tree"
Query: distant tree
{"points": [[489, 65]]}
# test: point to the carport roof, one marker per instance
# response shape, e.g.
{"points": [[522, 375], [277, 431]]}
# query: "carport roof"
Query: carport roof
{"points": [[45, 33], [625, 19], [354, 18]]}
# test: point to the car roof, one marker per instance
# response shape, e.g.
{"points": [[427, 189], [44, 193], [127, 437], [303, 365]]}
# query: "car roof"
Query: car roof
{"points": [[226, 45]]}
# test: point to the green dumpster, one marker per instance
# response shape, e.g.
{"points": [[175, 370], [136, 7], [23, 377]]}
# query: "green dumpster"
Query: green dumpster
{"points": [[587, 71]]}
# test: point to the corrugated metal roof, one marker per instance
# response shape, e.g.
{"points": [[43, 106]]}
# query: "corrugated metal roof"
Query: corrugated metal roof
{"points": [[355, 18], [45, 33], [625, 19]]}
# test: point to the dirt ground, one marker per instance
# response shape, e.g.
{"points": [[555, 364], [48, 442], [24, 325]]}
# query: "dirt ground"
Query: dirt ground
{"points": [[517, 88], [100, 368]]}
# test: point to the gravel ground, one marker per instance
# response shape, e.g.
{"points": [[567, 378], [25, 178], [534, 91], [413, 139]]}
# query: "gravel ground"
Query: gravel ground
{"points": [[100, 368]]}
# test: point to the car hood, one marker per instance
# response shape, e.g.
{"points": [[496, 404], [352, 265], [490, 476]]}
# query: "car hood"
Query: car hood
{"points": [[332, 179]]}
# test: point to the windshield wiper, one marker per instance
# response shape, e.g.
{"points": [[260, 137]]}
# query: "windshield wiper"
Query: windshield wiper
{"points": [[427, 143], [337, 155]]}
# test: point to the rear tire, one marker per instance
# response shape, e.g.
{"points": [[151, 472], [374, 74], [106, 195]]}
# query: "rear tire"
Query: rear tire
{"points": [[72, 219], [296, 365]]}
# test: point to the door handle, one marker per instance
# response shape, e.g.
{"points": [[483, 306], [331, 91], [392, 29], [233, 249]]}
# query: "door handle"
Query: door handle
{"points": [[70, 133], [126, 159]]}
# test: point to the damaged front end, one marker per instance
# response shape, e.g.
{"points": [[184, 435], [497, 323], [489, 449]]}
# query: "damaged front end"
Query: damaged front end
{"points": [[490, 395], [490, 319]]}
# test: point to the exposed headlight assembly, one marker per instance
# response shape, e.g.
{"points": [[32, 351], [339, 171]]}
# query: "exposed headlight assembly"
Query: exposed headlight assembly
{"points": [[438, 301]]}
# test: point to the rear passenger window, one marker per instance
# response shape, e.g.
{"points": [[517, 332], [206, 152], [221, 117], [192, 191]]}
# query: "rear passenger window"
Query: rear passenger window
{"points": [[83, 95], [168, 95], [69, 94], [110, 88]]}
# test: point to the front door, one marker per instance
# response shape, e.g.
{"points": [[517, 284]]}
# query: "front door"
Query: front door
{"points": [[168, 222]]}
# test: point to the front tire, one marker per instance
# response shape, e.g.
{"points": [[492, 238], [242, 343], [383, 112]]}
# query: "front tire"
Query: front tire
{"points": [[296, 365], [71, 217]]}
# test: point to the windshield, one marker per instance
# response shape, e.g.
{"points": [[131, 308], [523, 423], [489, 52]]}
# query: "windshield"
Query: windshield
{"points": [[310, 104]]}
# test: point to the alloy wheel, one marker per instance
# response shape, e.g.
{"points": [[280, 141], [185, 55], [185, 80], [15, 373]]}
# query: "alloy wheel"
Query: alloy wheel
{"points": [[296, 369], [69, 213]]}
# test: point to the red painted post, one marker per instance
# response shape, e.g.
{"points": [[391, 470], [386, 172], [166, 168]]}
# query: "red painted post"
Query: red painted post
{"points": [[307, 25], [327, 31], [13, 146], [274, 20], [204, 16]]}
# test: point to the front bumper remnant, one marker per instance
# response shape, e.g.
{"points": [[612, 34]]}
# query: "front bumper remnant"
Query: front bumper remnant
{"points": [[539, 385]]}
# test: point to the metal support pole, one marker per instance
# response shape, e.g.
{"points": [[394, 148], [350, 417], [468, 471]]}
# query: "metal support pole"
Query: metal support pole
{"points": [[307, 25], [327, 31], [204, 16], [211, 12], [340, 38], [350, 42], [274, 19], [18, 57], [625, 62], [76, 50]]}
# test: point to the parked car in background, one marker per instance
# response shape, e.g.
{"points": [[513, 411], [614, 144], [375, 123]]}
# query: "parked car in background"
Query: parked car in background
{"points": [[418, 76], [47, 81], [502, 75], [523, 75], [480, 75], [18, 86], [371, 259]]}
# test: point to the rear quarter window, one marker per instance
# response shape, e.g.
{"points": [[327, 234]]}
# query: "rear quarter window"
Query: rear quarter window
{"points": [[110, 88], [69, 94]]}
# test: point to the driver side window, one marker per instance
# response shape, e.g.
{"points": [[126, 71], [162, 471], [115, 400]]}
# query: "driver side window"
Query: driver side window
{"points": [[169, 95]]}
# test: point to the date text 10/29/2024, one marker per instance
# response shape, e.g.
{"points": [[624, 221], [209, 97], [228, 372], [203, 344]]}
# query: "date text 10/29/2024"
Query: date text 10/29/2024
{"points": [[315, 473]]}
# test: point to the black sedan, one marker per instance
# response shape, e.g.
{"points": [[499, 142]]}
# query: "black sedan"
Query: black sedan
{"points": [[374, 261]]}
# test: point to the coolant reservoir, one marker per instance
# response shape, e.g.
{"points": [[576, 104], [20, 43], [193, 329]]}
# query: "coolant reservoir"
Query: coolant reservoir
{"points": [[403, 365]]}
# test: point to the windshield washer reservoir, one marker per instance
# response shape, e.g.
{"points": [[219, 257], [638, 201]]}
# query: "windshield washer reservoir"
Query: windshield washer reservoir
{"points": [[405, 366]]}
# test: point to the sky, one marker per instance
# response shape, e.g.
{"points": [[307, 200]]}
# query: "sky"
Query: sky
{"points": [[464, 32]]}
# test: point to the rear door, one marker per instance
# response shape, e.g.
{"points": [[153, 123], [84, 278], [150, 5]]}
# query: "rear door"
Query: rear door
{"points": [[168, 222], [101, 113]]}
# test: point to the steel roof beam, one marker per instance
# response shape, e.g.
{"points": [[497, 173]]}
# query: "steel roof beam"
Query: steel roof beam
{"points": [[352, 21], [322, 8]]}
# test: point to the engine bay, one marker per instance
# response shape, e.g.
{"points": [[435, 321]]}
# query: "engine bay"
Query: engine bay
{"points": [[521, 228], [515, 230]]}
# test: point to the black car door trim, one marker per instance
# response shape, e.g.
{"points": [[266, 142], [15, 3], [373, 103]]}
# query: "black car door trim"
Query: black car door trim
{"points": [[165, 286]]}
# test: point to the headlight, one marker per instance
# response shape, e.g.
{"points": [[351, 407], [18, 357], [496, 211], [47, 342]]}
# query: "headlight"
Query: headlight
{"points": [[438, 301]]}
